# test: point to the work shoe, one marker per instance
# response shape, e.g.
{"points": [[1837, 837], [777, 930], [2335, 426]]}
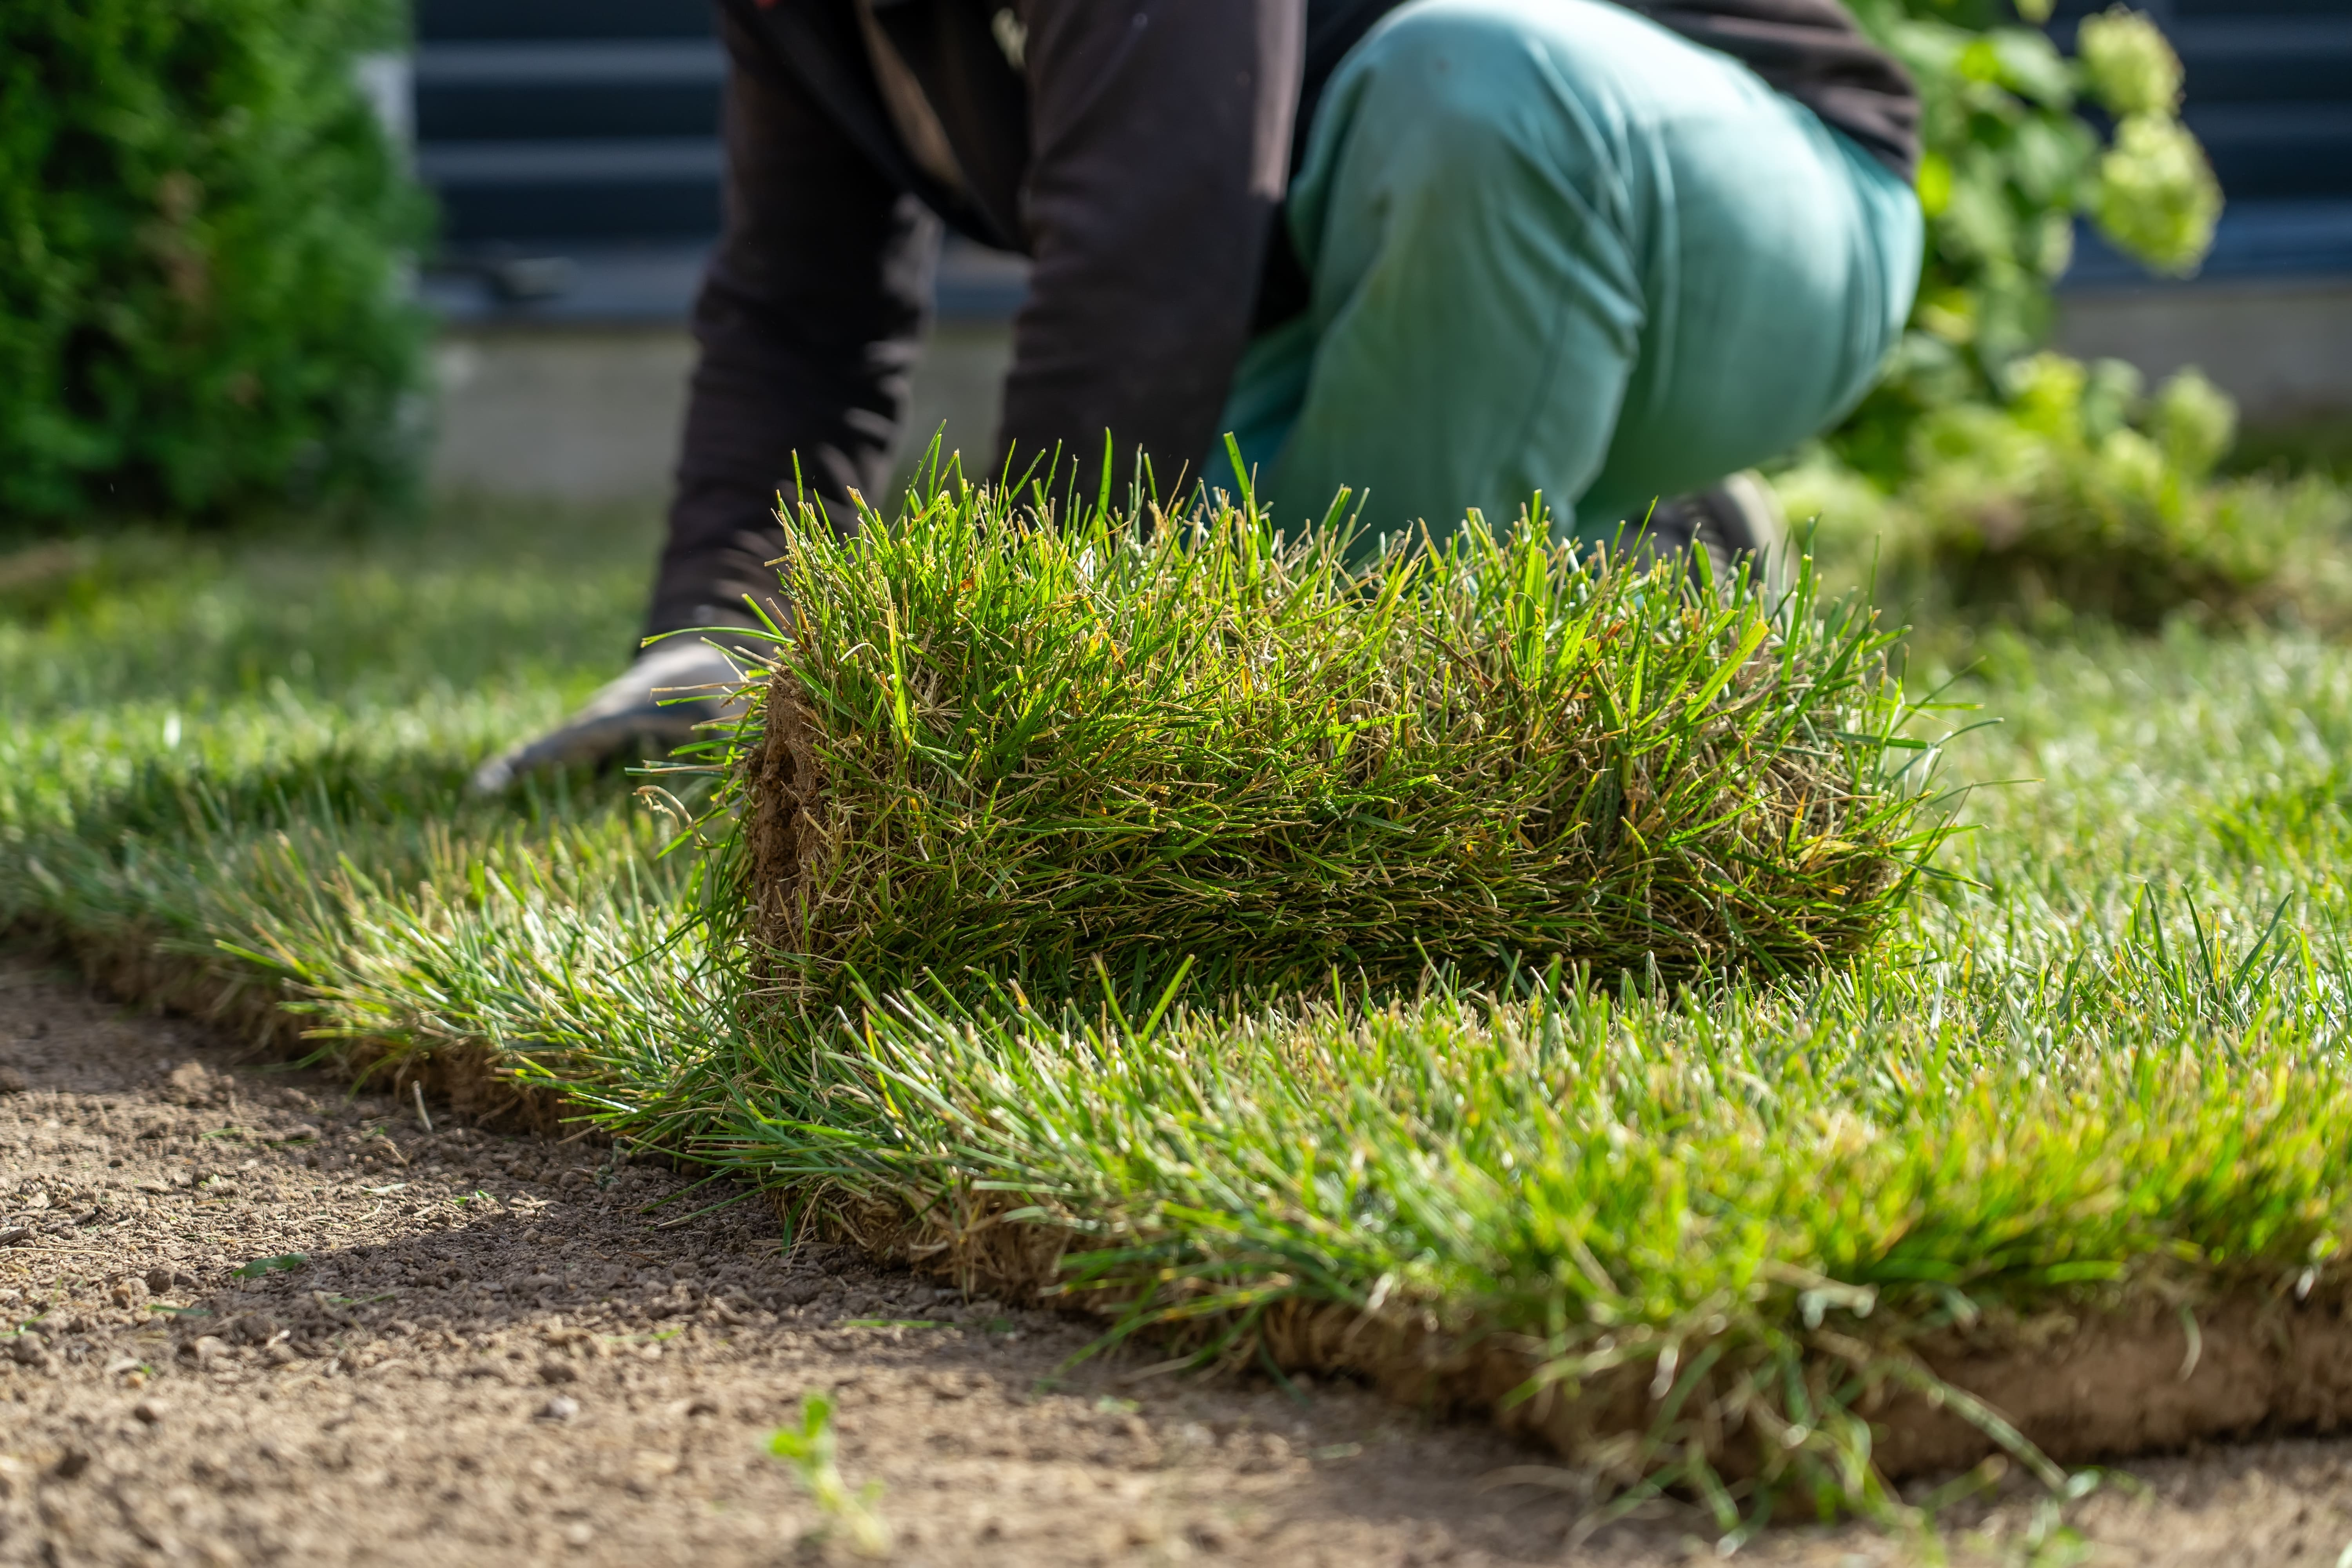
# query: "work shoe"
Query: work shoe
{"points": [[1738, 519], [679, 683]]}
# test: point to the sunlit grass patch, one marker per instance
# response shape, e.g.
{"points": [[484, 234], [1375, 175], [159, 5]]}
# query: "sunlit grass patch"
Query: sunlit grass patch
{"points": [[2096, 1063], [228, 760]]}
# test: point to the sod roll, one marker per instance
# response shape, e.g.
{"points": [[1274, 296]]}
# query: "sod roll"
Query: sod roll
{"points": [[1045, 753]]}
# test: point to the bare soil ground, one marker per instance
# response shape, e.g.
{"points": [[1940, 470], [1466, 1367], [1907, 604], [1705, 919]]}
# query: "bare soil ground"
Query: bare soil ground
{"points": [[490, 1349]]}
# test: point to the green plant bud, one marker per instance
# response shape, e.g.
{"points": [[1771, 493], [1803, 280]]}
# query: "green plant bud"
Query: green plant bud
{"points": [[1980, 62], [2195, 422], [2155, 195], [1934, 184], [2053, 245], [2046, 395], [2131, 465], [2129, 65], [2110, 397]]}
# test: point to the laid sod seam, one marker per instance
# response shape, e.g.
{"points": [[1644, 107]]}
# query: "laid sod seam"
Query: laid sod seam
{"points": [[2093, 1080]]}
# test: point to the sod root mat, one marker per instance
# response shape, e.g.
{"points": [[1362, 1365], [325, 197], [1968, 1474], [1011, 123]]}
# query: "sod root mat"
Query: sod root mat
{"points": [[2066, 1126]]}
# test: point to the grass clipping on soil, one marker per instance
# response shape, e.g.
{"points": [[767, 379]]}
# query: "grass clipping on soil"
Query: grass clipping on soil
{"points": [[1035, 753]]}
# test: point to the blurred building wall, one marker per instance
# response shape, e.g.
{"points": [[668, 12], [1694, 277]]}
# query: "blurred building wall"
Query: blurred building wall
{"points": [[588, 413], [2282, 348]]}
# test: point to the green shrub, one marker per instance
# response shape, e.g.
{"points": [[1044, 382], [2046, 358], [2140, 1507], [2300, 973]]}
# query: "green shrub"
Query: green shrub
{"points": [[2010, 163], [1025, 751], [1986, 473], [203, 303]]}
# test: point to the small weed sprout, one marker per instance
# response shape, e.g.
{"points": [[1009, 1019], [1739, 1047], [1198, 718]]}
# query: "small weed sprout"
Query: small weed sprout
{"points": [[810, 1451]]}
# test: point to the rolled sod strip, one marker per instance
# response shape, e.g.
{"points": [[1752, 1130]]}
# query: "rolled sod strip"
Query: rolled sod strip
{"points": [[1042, 753]]}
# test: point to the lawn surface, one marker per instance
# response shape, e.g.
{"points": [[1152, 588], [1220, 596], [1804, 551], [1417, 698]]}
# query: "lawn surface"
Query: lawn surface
{"points": [[2103, 1059]]}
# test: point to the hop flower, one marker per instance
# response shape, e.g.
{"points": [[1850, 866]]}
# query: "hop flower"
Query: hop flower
{"points": [[2195, 422], [2127, 464], [2131, 67], [2046, 395], [2156, 194]]}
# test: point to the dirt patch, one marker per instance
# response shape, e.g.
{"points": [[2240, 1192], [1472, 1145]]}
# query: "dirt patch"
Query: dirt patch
{"points": [[491, 1349]]}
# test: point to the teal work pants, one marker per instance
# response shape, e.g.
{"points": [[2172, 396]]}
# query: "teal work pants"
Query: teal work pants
{"points": [[1554, 248]]}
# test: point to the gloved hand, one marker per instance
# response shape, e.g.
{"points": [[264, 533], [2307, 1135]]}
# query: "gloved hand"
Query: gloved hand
{"points": [[676, 684]]}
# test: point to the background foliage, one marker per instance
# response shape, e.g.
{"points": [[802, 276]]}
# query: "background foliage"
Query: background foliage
{"points": [[1988, 475], [203, 303], [2011, 161]]}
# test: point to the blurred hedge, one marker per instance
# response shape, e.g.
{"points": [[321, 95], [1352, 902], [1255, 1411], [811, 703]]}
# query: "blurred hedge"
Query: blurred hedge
{"points": [[202, 233]]}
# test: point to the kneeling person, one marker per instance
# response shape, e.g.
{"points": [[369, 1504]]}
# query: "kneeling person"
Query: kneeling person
{"points": [[1447, 253]]}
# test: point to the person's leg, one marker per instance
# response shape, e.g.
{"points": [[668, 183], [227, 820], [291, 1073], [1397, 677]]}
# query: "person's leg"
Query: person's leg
{"points": [[1270, 387], [1473, 221], [1497, 217], [1801, 254]]}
